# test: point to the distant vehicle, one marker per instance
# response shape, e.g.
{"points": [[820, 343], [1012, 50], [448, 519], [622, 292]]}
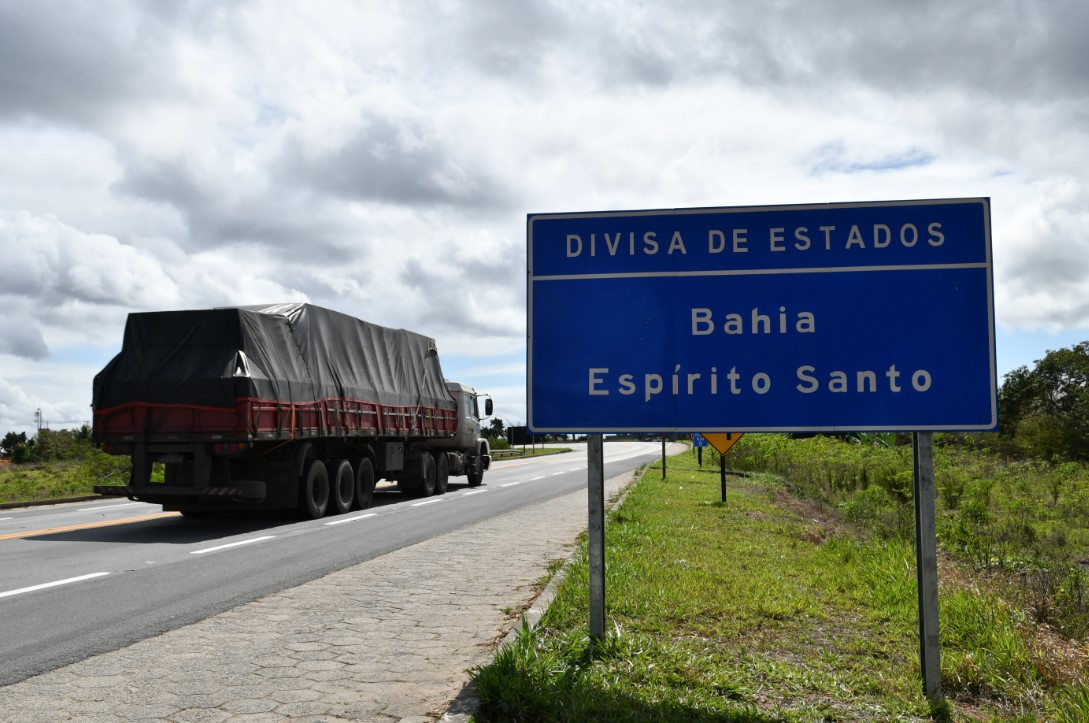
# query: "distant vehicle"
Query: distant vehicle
{"points": [[286, 406]]}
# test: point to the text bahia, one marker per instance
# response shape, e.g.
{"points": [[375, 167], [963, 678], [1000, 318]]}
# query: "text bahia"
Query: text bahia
{"points": [[703, 322]]}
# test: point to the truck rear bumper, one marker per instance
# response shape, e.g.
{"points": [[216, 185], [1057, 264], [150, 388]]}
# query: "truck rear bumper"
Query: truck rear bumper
{"points": [[249, 491]]}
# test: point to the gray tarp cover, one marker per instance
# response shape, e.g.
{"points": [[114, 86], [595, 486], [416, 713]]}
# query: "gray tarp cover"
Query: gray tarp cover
{"points": [[281, 352]]}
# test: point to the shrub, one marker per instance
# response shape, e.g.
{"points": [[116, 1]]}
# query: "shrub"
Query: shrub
{"points": [[60, 445], [21, 454], [102, 468]]}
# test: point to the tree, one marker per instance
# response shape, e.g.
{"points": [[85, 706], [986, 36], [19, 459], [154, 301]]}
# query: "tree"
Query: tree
{"points": [[60, 444], [11, 441], [1045, 411], [22, 453], [495, 429]]}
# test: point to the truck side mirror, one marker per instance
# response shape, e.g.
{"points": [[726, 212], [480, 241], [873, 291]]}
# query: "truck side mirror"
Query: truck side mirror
{"points": [[488, 407]]}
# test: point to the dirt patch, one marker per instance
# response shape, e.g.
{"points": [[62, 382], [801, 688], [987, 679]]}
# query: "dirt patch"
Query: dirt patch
{"points": [[820, 521]]}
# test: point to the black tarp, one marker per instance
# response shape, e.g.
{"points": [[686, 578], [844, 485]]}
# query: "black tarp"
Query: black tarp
{"points": [[281, 352]]}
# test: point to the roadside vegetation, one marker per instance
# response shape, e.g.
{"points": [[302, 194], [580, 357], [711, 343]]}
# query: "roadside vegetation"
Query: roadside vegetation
{"points": [[63, 464], [55, 464], [795, 599]]}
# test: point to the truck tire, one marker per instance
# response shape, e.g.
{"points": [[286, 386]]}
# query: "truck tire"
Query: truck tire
{"points": [[342, 486], [314, 490], [364, 483], [427, 482], [479, 464], [442, 472], [418, 477]]}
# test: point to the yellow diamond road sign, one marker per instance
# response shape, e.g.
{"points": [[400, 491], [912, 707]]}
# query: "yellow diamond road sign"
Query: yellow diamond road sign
{"points": [[722, 441]]}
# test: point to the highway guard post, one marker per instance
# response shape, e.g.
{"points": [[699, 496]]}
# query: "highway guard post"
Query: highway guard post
{"points": [[874, 316]]}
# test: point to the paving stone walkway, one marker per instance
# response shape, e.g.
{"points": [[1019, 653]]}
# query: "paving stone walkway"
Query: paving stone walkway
{"points": [[389, 640]]}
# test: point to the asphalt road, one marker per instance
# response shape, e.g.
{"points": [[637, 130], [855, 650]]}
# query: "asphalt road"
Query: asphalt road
{"points": [[80, 579]]}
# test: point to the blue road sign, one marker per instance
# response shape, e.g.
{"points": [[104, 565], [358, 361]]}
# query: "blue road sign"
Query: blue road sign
{"points": [[698, 440], [829, 317]]}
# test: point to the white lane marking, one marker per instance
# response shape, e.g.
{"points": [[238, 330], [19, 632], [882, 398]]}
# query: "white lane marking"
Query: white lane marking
{"points": [[6, 518], [473, 492], [426, 502], [351, 519], [534, 479], [43, 586], [554, 474], [110, 507], [511, 484], [231, 544]]}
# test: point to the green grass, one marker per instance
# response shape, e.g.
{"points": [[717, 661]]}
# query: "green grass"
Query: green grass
{"points": [[41, 481], [1024, 524], [768, 607]]}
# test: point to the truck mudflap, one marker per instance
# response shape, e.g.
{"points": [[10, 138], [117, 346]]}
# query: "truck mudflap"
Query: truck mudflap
{"points": [[249, 491]]}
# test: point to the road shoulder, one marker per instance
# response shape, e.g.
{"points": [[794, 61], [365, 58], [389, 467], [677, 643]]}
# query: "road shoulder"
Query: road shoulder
{"points": [[390, 639]]}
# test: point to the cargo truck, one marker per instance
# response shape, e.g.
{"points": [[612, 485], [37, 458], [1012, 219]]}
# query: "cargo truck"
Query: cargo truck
{"points": [[281, 407]]}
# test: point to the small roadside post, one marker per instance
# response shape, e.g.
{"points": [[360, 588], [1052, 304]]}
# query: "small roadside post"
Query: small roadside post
{"points": [[663, 455], [699, 442]]}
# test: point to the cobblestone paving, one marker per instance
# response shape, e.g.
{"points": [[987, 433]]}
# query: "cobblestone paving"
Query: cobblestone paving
{"points": [[388, 640]]}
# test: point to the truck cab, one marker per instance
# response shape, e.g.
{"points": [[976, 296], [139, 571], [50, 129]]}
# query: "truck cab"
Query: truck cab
{"points": [[469, 416]]}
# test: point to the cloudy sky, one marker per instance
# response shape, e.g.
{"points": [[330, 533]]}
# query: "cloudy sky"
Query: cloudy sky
{"points": [[380, 158]]}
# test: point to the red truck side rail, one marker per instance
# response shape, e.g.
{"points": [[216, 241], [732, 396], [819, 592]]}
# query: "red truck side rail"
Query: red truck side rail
{"points": [[257, 419]]}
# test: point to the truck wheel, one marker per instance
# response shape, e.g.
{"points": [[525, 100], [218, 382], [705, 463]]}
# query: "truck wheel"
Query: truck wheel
{"points": [[418, 476], [480, 463], [314, 490], [427, 483], [342, 486], [442, 472], [364, 483]]}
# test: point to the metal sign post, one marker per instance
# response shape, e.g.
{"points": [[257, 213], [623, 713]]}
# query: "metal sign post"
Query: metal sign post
{"points": [[722, 475], [926, 566], [596, 530], [699, 443], [722, 443]]}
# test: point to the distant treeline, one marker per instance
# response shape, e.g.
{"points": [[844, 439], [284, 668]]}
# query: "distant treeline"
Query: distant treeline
{"points": [[49, 445]]}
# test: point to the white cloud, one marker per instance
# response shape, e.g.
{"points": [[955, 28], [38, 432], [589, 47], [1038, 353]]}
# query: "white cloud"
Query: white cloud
{"points": [[380, 158], [54, 262]]}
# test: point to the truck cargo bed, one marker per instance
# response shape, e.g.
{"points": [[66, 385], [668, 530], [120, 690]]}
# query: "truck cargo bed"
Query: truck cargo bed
{"points": [[285, 371]]}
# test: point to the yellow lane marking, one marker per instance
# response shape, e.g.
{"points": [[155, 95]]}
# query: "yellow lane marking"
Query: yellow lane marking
{"points": [[87, 525], [508, 463], [516, 464]]}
